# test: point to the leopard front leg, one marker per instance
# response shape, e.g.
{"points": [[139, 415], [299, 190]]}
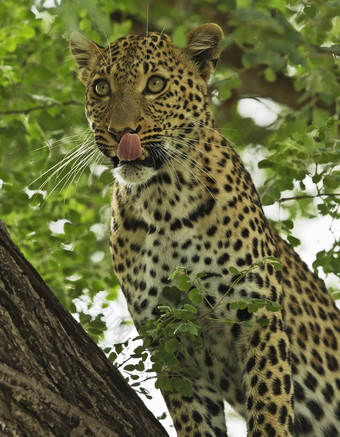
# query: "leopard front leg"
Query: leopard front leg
{"points": [[268, 379], [201, 415]]}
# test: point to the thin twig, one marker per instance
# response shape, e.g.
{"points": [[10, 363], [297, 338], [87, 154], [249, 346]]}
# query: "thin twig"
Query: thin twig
{"points": [[308, 196], [37, 108]]}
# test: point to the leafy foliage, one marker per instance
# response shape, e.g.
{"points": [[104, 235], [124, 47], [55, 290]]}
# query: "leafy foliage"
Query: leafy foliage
{"points": [[283, 50], [178, 327]]}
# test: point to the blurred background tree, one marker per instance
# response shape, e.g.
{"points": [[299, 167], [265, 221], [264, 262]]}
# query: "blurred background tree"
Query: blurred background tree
{"points": [[279, 57]]}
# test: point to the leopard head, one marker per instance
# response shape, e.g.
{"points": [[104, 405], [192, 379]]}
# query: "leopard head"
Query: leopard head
{"points": [[145, 97]]}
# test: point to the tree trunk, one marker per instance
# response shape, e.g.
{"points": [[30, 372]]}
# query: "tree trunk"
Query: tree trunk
{"points": [[54, 380]]}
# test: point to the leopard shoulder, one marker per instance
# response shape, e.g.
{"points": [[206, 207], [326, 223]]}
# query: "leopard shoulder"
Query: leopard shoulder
{"points": [[182, 196]]}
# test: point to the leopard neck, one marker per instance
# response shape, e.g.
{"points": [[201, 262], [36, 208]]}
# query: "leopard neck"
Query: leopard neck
{"points": [[188, 184]]}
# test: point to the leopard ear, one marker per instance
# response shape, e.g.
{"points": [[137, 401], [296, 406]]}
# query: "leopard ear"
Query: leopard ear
{"points": [[203, 47], [86, 53]]}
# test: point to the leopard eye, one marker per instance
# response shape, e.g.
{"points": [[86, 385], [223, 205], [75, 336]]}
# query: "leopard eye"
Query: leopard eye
{"points": [[102, 88], [155, 85]]}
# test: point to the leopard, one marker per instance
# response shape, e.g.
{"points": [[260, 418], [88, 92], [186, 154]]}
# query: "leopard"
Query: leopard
{"points": [[182, 197]]}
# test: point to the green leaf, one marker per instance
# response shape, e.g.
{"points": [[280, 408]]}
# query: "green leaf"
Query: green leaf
{"points": [[201, 275], [269, 74], [112, 357], [252, 308], [171, 345], [242, 304], [277, 266], [156, 367], [229, 322], [170, 360], [263, 321], [179, 36], [234, 305], [242, 3], [146, 342], [193, 328], [139, 350], [10, 44], [162, 417], [27, 32], [320, 116], [118, 348], [336, 294], [233, 270], [172, 293], [187, 388], [184, 282], [164, 383], [294, 242], [190, 308], [140, 366], [129, 367], [195, 296], [179, 383], [273, 306], [247, 324], [274, 258], [178, 271]]}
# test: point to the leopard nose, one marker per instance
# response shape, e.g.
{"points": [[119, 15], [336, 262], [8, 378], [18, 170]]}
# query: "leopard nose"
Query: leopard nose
{"points": [[118, 134]]}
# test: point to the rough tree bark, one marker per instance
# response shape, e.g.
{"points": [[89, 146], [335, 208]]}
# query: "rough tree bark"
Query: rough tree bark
{"points": [[54, 380]]}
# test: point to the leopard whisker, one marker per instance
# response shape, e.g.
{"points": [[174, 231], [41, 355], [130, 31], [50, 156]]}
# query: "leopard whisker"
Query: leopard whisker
{"points": [[163, 155], [194, 162], [64, 163], [51, 144], [79, 165], [67, 175], [193, 139], [186, 156], [181, 163]]}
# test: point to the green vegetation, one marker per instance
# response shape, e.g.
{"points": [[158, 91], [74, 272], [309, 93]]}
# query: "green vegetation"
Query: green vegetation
{"points": [[54, 185], [178, 325]]}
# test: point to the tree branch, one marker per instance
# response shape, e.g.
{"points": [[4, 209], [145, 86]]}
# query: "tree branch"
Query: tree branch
{"points": [[54, 380], [308, 196], [254, 83], [41, 107]]}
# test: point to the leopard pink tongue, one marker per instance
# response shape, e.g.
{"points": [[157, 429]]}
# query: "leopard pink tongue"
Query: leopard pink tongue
{"points": [[129, 148]]}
